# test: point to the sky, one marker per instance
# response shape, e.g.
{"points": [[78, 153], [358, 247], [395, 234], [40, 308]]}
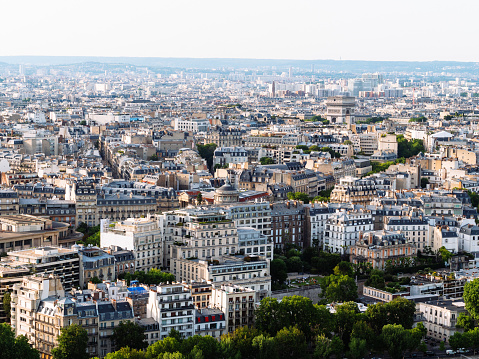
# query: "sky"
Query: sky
{"points": [[385, 30]]}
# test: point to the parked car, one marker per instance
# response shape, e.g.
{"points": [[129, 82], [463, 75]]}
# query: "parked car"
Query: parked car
{"points": [[430, 353], [450, 352]]}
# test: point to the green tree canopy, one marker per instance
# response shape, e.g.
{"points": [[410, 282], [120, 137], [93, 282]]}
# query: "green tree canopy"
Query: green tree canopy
{"points": [[15, 348], [397, 340], [207, 152], [465, 321], [291, 343], [408, 148], [7, 307], [127, 353], [398, 311], [326, 347], [266, 161], [72, 343], [299, 196], [344, 268], [152, 277], [471, 298], [338, 288], [279, 271], [129, 334]]}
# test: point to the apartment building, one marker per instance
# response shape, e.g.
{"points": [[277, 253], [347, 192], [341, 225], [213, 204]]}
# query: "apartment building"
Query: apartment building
{"points": [[226, 155], [237, 303], [171, 305], [442, 205], [251, 272], [251, 242], [343, 229], [317, 215], [191, 125], [142, 236], [415, 228], [40, 310], [224, 137], [354, 190], [210, 321], [378, 247], [24, 231], [9, 202], [203, 233], [440, 317], [255, 214], [288, 224], [85, 198], [201, 293], [95, 263], [469, 238], [119, 207]]}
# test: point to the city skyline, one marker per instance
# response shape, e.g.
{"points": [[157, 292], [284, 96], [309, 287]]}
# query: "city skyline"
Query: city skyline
{"points": [[371, 30]]}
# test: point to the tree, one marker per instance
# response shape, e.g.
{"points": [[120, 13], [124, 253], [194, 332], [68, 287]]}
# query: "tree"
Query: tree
{"points": [[279, 271], [445, 254], [72, 343], [96, 280], [126, 353], [265, 346], [346, 316], [326, 347], [376, 279], [153, 157], [357, 348], [396, 340], [206, 344], [344, 268], [199, 199], [339, 288], [129, 334], [14, 348], [471, 298], [465, 321], [7, 299], [299, 196], [398, 311], [167, 345], [152, 277], [266, 161], [424, 182], [207, 152], [291, 343], [410, 148], [242, 341], [459, 340]]}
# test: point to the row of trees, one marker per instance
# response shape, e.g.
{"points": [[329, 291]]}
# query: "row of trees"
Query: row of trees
{"points": [[323, 196], [291, 328], [152, 277], [291, 259]]}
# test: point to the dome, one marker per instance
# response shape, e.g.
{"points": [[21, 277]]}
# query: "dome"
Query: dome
{"points": [[226, 188], [226, 194]]}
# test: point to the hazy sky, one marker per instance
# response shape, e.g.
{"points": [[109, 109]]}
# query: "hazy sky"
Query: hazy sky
{"points": [[293, 29]]}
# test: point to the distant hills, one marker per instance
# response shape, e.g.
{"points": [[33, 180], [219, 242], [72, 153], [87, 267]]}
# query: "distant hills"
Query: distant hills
{"points": [[220, 63]]}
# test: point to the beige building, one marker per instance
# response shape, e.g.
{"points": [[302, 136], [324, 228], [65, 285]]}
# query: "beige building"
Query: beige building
{"points": [[377, 248], [440, 317], [40, 310], [354, 190], [237, 303]]}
